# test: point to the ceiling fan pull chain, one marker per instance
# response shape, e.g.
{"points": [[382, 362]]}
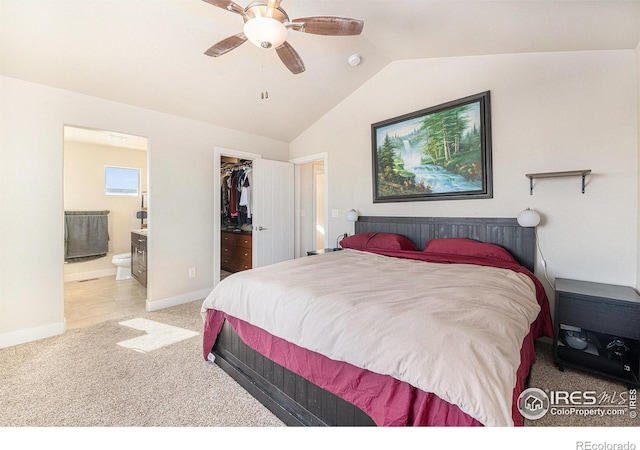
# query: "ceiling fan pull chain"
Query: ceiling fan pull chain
{"points": [[264, 95]]}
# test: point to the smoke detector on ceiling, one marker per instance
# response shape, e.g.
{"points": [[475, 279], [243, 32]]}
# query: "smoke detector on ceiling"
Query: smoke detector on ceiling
{"points": [[354, 59]]}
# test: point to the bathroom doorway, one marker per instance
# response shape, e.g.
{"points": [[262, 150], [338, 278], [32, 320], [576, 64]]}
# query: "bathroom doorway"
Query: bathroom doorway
{"points": [[105, 174]]}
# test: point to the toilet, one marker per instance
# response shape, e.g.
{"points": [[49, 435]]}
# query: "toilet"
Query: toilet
{"points": [[123, 262]]}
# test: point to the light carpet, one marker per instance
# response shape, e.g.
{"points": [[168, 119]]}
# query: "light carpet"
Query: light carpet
{"points": [[86, 378]]}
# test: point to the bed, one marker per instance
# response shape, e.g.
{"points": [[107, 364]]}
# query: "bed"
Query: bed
{"points": [[418, 321]]}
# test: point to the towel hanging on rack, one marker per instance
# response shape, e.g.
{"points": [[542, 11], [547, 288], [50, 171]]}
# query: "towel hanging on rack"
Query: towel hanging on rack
{"points": [[86, 234]]}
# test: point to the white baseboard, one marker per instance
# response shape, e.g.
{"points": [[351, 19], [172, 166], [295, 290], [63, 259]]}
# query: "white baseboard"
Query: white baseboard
{"points": [[177, 300], [80, 276], [32, 334]]}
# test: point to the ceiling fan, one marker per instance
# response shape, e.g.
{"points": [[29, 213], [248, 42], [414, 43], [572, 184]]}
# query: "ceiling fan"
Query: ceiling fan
{"points": [[267, 25]]}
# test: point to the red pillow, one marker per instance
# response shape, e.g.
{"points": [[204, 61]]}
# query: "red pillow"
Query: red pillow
{"points": [[386, 241], [468, 247]]}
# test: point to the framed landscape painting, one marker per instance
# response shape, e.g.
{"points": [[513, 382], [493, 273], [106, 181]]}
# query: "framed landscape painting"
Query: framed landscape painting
{"points": [[438, 153]]}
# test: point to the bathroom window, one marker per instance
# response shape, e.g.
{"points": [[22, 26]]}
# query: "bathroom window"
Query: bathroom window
{"points": [[121, 181]]}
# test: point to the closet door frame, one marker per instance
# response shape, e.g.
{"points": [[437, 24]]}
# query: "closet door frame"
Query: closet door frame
{"points": [[218, 153]]}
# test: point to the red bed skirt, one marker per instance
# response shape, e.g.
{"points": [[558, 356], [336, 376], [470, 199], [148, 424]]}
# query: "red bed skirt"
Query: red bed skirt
{"points": [[387, 401]]}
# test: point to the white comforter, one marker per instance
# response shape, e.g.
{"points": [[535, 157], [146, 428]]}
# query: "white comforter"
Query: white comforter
{"points": [[451, 329]]}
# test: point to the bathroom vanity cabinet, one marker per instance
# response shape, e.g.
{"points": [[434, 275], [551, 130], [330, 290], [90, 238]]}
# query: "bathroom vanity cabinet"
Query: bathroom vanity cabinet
{"points": [[139, 257]]}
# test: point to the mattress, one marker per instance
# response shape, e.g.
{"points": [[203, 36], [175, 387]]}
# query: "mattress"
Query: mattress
{"points": [[393, 325]]}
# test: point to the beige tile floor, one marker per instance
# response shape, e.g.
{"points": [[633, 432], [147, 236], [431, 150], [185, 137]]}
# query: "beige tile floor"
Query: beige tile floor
{"points": [[100, 299]]}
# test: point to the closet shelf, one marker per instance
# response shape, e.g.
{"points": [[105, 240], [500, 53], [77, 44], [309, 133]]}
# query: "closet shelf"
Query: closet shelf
{"points": [[567, 173]]}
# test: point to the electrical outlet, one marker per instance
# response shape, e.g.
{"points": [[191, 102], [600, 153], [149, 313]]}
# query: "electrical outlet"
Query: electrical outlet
{"points": [[192, 272], [334, 213]]}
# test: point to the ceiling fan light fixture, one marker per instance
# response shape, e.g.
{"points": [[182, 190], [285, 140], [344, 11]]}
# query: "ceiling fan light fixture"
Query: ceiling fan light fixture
{"points": [[265, 32], [267, 26]]}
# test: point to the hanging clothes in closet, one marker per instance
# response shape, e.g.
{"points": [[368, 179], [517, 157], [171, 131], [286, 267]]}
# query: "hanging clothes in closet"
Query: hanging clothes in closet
{"points": [[236, 187]]}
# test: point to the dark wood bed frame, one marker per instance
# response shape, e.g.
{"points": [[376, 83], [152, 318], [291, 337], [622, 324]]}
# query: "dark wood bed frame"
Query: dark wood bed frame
{"points": [[295, 400]]}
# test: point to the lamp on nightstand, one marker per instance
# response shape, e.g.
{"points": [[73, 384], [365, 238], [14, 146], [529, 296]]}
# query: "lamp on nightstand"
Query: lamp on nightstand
{"points": [[352, 216], [528, 218]]}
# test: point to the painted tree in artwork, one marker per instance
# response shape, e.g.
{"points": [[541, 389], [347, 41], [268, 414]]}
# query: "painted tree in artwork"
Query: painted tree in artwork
{"points": [[471, 140], [385, 160], [444, 131], [461, 124]]}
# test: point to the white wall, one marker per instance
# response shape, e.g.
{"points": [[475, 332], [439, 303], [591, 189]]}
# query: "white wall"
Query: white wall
{"points": [[181, 181], [550, 112]]}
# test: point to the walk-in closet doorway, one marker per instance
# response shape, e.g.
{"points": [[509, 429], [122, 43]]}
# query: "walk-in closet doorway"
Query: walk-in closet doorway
{"points": [[272, 214]]}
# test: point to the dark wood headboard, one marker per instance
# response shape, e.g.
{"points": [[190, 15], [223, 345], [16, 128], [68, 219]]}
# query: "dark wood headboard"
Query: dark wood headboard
{"points": [[520, 241]]}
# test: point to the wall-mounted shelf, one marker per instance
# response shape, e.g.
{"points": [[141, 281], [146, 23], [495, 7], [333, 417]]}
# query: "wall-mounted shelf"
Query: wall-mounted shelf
{"points": [[568, 173]]}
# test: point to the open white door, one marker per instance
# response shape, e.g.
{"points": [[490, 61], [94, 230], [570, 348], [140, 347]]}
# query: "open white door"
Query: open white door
{"points": [[273, 212]]}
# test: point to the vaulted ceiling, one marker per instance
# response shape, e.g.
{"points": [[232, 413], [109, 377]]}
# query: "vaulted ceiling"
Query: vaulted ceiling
{"points": [[150, 53]]}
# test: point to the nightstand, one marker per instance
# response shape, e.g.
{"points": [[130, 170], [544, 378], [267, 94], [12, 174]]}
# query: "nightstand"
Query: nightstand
{"points": [[322, 251], [597, 329]]}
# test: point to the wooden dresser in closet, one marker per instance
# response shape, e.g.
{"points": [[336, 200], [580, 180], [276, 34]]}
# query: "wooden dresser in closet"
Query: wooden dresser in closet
{"points": [[235, 251]]}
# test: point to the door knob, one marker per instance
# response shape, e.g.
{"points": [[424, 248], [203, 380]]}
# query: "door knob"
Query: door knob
{"points": [[262, 228]]}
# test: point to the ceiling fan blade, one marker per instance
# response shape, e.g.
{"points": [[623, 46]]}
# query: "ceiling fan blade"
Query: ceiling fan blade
{"points": [[290, 58], [328, 26], [271, 5], [228, 5], [226, 45]]}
